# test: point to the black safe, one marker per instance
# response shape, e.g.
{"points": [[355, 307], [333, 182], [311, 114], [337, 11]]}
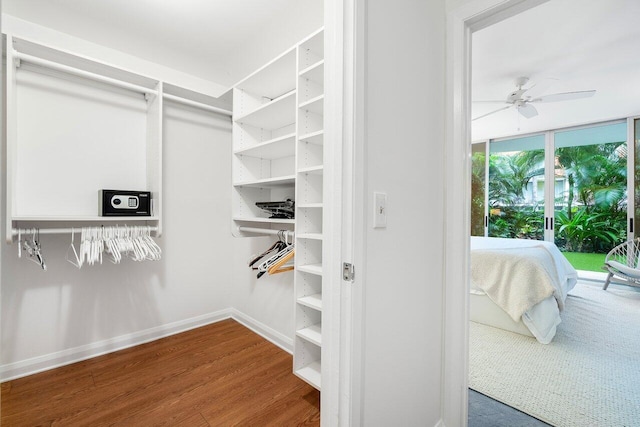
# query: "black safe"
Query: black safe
{"points": [[124, 203]]}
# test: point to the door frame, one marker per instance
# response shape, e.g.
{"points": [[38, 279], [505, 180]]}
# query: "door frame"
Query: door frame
{"points": [[463, 18]]}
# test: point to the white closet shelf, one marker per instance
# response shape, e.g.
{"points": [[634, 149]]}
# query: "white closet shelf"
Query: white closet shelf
{"points": [[311, 236], [314, 105], [84, 218], [310, 205], [311, 374], [312, 333], [311, 269], [275, 148], [264, 220], [312, 170], [313, 137], [280, 181], [275, 114], [314, 72], [275, 78], [312, 301]]}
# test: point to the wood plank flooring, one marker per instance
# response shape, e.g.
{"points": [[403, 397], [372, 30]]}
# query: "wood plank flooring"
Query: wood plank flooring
{"points": [[217, 375]]}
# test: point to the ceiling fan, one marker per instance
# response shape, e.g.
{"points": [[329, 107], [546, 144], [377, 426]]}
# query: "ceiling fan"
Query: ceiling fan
{"points": [[523, 103]]}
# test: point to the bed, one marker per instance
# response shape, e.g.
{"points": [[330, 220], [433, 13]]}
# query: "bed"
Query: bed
{"points": [[519, 285]]}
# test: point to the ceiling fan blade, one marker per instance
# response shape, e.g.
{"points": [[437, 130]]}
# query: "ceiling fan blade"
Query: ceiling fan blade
{"points": [[565, 96], [528, 111], [492, 112]]}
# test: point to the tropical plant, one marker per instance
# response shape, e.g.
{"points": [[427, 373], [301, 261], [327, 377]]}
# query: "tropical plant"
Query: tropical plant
{"points": [[584, 231]]}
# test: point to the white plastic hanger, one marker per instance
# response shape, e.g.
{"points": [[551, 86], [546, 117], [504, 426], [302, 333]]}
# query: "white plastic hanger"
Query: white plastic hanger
{"points": [[74, 260]]}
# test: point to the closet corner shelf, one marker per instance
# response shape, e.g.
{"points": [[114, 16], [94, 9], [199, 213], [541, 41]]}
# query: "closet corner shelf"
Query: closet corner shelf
{"points": [[280, 181], [312, 170], [311, 269], [314, 72], [265, 220], [314, 105], [312, 301], [313, 137], [273, 115], [85, 218], [275, 77], [311, 374], [311, 236], [312, 333], [275, 148]]}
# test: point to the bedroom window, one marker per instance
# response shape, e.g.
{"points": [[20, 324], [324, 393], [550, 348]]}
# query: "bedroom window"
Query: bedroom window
{"points": [[567, 186], [516, 188]]}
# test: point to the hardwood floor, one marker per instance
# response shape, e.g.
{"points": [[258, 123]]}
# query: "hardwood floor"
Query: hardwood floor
{"points": [[220, 374]]}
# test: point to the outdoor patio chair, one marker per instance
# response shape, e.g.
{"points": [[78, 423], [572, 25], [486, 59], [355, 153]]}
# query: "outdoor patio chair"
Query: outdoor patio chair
{"points": [[623, 261]]}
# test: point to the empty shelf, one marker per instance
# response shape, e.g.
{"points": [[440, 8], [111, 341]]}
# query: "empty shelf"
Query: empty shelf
{"points": [[312, 301], [273, 149], [280, 181], [311, 269], [273, 115], [313, 334], [311, 374]]}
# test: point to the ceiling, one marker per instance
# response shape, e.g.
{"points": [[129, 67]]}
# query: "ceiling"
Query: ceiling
{"points": [[182, 34], [563, 45]]}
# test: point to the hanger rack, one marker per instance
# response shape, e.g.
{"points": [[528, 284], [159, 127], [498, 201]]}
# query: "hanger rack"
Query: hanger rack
{"points": [[285, 233], [196, 104], [15, 231], [82, 73]]}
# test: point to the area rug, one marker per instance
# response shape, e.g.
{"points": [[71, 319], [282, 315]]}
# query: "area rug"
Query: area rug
{"points": [[588, 376]]}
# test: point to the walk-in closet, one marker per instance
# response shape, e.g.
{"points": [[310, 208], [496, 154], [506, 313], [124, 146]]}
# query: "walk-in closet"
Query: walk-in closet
{"points": [[223, 212]]}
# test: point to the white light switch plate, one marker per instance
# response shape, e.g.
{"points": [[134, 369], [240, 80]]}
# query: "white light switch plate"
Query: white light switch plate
{"points": [[379, 210]]}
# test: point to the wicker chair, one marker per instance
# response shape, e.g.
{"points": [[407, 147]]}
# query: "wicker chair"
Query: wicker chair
{"points": [[624, 261]]}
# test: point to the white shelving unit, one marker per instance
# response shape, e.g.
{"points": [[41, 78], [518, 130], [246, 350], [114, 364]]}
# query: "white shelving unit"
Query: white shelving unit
{"points": [[264, 138], [308, 282], [278, 154], [84, 108]]}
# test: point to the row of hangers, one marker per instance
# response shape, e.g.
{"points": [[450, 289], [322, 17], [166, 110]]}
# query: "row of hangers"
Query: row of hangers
{"points": [[134, 242], [277, 259]]}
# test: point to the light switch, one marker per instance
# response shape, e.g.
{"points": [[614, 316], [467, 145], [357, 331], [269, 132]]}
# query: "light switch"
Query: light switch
{"points": [[379, 210]]}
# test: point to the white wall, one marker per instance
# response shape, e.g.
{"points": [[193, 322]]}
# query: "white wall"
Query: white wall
{"points": [[65, 313], [275, 37], [66, 41], [403, 284]]}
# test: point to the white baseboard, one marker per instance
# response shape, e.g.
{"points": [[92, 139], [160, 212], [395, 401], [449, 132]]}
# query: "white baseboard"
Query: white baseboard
{"points": [[65, 357], [281, 340]]}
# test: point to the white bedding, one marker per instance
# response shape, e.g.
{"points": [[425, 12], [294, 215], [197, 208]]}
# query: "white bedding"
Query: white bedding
{"points": [[543, 318]]}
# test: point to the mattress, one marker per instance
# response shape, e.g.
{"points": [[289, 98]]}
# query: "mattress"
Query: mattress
{"points": [[541, 320]]}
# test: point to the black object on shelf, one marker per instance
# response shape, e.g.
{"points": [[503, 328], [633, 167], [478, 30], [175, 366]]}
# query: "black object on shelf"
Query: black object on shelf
{"points": [[281, 210]]}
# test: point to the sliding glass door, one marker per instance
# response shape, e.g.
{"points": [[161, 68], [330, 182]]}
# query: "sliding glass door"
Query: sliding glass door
{"points": [[568, 186], [591, 192], [516, 189]]}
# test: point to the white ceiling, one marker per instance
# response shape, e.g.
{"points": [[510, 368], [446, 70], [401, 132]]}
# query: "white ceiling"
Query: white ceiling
{"points": [[183, 34], [584, 44]]}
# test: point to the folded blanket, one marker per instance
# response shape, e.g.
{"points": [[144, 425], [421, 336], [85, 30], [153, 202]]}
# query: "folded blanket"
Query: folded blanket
{"points": [[516, 279]]}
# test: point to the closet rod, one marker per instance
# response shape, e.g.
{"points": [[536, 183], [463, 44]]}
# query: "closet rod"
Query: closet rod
{"points": [[25, 231], [267, 231], [86, 74], [197, 104]]}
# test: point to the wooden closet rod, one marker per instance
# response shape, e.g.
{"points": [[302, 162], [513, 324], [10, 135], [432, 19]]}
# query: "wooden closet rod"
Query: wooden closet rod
{"points": [[81, 73], [197, 104]]}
